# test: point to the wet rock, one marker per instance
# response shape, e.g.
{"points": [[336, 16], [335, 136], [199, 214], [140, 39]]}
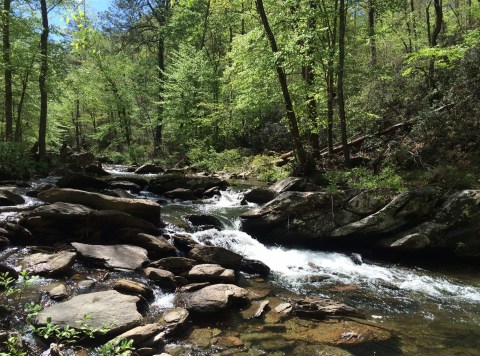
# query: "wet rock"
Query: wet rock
{"points": [[184, 242], [322, 308], [132, 187], [229, 341], [81, 181], [168, 182], [284, 308], [356, 258], [256, 310], [149, 168], [207, 221], [211, 273], [96, 170], [12, 273], [176, 265], [140, 334], [157, 246], [204, 337], [320, 350], [254, 267], [174, 320], [192, 287], [126, 286], [215, 298], [212, 192], [215, 255], [163, 278], [9, 198], [117, 257], [49, 264], [58, 291], [119, 193], [259, 195], [289, 184], [180, 193], [116, 310], [140, 208], [141, 182], [16, 234]]}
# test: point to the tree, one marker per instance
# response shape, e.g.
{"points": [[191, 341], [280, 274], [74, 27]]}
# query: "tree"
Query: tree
{"points": [[7, 71], [282, 78], [42, 82]]}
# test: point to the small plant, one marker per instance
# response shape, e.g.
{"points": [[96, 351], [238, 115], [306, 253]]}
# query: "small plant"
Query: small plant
{"points": [[12, 287], [13, 345], [116, 347]]}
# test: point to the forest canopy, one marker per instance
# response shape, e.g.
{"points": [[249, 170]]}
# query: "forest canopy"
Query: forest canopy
{"points": [[387, 86]]}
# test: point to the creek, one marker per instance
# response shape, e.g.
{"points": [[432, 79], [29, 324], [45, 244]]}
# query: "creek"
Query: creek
{"points": [[430, 310]]}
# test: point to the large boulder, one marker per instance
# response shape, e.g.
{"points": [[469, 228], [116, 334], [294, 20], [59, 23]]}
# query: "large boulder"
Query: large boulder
{"points": [[211, 273], [9, 198], [117, 257], [168, 182], [321, 308], [157, 246], [289, 184], [81, 181], [149, 168], [215, 255], [140, 208], [215, 298], [49, 264], [109, 308], [81, 159], [176, 265], [259, 195]]}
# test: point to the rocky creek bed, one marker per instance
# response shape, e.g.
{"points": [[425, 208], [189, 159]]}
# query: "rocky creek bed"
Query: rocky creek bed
{"points": [[161, 259]]}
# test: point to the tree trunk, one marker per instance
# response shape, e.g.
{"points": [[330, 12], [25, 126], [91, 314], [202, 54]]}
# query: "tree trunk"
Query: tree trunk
{"points": [[161, 70], [42, 81], [371, 31], [7, 71], [433, 38], [18, 125], [205, 25], [309, 78], [282, 78], [76, 122], [341, 75]]}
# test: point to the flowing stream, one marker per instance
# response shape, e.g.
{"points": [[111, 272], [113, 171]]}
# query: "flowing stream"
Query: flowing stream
{"points": [[432, 311]]}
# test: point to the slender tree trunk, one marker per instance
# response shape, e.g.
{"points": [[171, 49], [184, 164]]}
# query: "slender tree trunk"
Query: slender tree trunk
{"points": [[341, 75], [332, 46], [371, 31], [205, 24], [42, 82], [161, 71], [282, 78], [414, 23], [409, 27], [308, 75], [7, 71], [18, 125], [76, 122], [433, 37]]}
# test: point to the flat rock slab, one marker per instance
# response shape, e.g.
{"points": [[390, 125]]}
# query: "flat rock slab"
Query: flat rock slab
{"points": [[216, 255], [211, 273], [49, 264], [215, 298], [123, 257], [116, 310], [140, 208]]}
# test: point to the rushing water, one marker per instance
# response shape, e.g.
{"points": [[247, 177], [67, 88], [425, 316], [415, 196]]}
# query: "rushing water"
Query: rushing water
{"points": [[433, 312]]}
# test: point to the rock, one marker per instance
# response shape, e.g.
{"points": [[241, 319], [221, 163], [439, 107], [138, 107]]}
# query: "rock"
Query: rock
{"points": [[320, 350], [211, 273], [16, 234], [96, 170], [184, 242], [254, 267], [49, 264], [149, 168], [115, 310], [81, 181], [356, 258], [81, 159], [369, 201], [407, 208], [141, 182], [229, 341], [58, 291], [126, 286], [212, 192], [113, 219], [132, 187], [63, 211], [168, 182], [180, 193], [157, 246], [259, 195], [163, 278], [176, 265], [206, 221], [256, 310], [215, 298], [289, 184], [12, 273], [323, 308], [140, 334], [284, 308], [192, 287], [118, 257], [215, 255], [174, 319], [140, 208], [9, 198], [119, 193]]}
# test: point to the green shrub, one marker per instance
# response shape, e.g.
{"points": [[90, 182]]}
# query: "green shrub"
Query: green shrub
{"points": [[212, 161], [264, 168], [362, 178], [15, 161]]}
